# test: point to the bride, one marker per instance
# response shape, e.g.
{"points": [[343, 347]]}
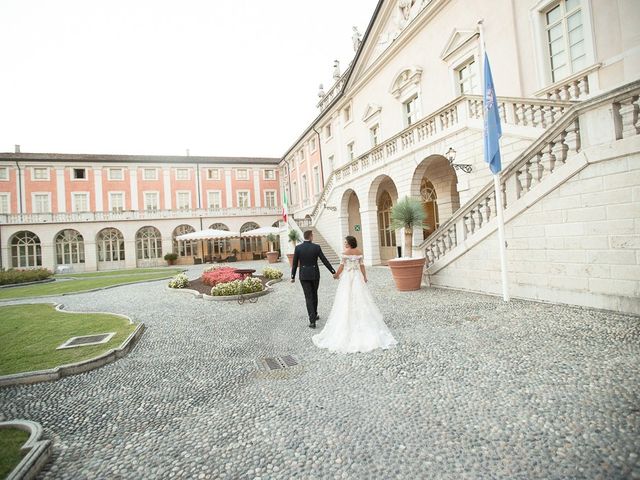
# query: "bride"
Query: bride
{"points": [[355, 323]]}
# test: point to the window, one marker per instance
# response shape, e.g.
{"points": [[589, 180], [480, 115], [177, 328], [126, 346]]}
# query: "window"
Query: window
{"points": [[79, 173], [149, 173], [243, 199], [41, 203], [410, 110], [269, 174], [331, 162], [69, 247], [4, 173], [26, 250], [148, 243], [184, 248], [40, 173], [115, 174], [269, 198], [242, 174], [213, 200], [110, 244], [316, 179], [327, 132], [565, 39], [346, 114], [213, 174], [375, 135], [305, 187], [182, 174], [5, 205], [151, 200], [116, 201], [312, 145], [80, 202], [467, 78], [294, 193], [183, 200], [301, 155], [350, 151]]}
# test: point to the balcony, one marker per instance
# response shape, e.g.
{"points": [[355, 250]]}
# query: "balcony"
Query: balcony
{"points": [[124, 215]]}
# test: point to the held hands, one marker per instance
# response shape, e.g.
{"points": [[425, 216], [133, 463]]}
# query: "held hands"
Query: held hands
{"points": [[336, 276]]}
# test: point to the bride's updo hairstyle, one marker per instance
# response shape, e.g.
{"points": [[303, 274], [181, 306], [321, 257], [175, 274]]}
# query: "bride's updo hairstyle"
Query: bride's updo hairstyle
{"points": [[353, 243]]}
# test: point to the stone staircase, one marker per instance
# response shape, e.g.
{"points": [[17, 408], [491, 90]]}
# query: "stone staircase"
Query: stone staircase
{"points": [[331, 255]]}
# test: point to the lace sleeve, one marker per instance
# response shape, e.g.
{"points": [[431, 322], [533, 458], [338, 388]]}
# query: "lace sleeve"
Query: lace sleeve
{"points": [[342, 259]]}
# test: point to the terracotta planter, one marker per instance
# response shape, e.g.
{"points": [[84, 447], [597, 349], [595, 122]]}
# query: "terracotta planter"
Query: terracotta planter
{"points": [[290, 257], [272, 257], [407, 273]]}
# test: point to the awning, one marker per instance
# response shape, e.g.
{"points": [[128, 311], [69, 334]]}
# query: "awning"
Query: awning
{"points": [[209, 234], [262, 232]]}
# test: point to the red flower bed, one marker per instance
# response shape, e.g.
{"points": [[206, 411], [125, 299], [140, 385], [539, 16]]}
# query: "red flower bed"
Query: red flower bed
{"points": [[220, 275]]}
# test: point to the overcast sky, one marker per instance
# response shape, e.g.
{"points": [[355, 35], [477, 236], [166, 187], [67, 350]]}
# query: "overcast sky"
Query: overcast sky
{"points": [[232, 78]]}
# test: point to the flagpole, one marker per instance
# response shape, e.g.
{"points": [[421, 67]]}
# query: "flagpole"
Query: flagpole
{"points": [[497, 191]]}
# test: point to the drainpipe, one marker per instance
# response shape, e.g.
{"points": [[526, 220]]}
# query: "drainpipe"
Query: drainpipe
{"points": [[320, 152], [19, 187]]}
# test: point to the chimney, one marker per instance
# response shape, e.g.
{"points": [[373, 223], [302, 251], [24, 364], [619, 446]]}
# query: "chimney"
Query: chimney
{"points": [[17, 148]]}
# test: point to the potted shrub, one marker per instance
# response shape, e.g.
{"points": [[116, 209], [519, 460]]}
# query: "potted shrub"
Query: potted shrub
{"points": [[294, 238], [234, 257], [272, 255], [171, 258], [407, 272]]}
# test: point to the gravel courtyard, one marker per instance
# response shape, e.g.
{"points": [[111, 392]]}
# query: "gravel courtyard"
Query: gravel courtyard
{"points": [[475, 389]]}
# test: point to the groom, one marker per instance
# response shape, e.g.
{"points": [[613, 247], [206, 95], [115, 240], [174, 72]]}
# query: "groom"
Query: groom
{"points": [[307, 254]]}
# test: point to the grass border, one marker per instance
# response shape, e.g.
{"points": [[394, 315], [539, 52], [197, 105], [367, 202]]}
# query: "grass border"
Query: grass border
{"points": [[39, 451], [82, 366]]}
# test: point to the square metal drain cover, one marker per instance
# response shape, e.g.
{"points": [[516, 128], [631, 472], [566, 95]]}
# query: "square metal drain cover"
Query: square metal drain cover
{"points": [[277, 363], [86, 340]]}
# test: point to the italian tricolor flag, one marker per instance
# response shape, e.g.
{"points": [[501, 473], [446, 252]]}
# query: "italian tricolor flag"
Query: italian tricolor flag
{"points": [[285, 212]]}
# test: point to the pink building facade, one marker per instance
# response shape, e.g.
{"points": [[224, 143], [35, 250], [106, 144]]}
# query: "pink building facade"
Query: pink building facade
{"points": [[92, 212]]}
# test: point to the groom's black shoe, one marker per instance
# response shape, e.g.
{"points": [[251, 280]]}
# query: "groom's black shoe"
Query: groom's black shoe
{"points": [[312, 324], [317, 317]]}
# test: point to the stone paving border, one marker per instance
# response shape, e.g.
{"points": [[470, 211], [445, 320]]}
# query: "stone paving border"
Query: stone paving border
{"points": [[39, 451], [196, 294], [85, 291], [82, 366]]}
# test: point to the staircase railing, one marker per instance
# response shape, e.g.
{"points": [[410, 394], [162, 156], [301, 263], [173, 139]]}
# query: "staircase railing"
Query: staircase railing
{"points": [[519, 112], [532, 167]]}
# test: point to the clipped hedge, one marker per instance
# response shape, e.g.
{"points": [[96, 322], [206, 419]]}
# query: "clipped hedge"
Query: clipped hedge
{"points": [[237, 287], [16, 276], [179, 281]]}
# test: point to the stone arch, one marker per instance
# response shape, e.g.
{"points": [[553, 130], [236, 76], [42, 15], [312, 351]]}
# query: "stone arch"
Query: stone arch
{"points": [[350, 213], [148, 247], [383, 194], [26, 249], [250, 246], [110, 249], [220, 247], [184, 248], [219, 226], [69, 247]]}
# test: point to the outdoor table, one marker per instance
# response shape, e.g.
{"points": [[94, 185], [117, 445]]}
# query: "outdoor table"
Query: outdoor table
{"points": [[245, 272]]}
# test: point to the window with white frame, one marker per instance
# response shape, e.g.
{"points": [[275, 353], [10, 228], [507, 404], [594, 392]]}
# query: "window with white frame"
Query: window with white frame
{"points": [[301, 155], [269, 198], [294, 193], [4, 173], [316, 179], [350, 147], [41, 203], [327, 131], [214, 199], [213, 174], [346, 114], [243, 199], [80, 201], [182, 174], [242, 174], [149, 173], [305, 187], [79, 173], [115, 174], [183, 200], [410, 110], [270, 174], [151, 200], [331, 162], [116, 201], [5, 203], [565, 38], [467, 78], [312, 145], [40, 173], [374, 133]]}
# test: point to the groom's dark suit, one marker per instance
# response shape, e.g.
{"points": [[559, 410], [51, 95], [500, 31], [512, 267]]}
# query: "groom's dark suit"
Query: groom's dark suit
{"points": [[307, 255]]}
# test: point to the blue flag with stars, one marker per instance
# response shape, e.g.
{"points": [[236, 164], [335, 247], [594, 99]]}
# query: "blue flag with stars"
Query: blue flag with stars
{"points": [[492, 128]]}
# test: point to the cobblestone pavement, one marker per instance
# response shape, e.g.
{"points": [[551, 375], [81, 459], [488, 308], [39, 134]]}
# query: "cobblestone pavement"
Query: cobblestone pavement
{"points": [[476, 389]]}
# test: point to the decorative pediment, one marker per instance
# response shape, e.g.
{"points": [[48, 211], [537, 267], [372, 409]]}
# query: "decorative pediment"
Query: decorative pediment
{"points": [[408, 77], [371, 111], [457, 40]]}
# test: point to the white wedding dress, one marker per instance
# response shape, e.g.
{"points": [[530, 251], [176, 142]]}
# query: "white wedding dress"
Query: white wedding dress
{"points": [[355, 323]]}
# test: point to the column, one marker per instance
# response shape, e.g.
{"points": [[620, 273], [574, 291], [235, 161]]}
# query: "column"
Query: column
{"points": [[61, 190], [370, 240], [166, 183], [97, 177], [130, 253], [133, 177], [90, 256], [256, 188], [228, 188]]}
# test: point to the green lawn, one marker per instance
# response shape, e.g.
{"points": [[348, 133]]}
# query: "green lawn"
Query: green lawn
{"points": [[128, 271], [30, 334], [11, 439], [80, 285]]}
